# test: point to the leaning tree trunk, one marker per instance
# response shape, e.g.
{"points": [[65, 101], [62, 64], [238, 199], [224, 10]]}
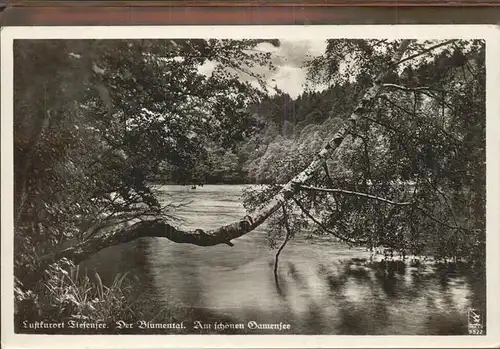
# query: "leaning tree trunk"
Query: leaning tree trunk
{"points": [[224, 234]]}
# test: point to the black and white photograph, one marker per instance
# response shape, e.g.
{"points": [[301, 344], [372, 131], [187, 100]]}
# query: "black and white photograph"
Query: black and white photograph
{"points": [[248, 185]]}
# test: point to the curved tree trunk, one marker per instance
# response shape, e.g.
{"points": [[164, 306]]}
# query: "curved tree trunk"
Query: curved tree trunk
{"points": [[226, 233]]}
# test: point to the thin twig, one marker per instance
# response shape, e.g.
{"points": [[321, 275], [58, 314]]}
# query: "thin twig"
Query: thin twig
{"points": [[440, 129], [327, 173], [411, 89], [423, 90], [368, 175], [319, 224], [424, 51], [342, 191], [427, 214], [287, 237], [447, 201]]}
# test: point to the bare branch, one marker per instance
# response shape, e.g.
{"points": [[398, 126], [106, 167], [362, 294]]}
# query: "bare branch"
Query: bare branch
{"points": [[327, 174], [409, 203], [424, 51], [447, 200], [368, 175], [423, 90], [287, 237], [348, 192], [427, 214], [325, 229], [411, 89]]}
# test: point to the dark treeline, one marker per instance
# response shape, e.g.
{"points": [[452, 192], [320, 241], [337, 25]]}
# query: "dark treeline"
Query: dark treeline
{"points": [[276, 121]]}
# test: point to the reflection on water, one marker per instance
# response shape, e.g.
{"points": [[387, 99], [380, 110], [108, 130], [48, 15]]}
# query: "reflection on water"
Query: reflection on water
{"points": [[326, 288]]}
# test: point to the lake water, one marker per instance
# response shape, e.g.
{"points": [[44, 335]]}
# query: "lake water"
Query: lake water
{"points": [[325, 286]]}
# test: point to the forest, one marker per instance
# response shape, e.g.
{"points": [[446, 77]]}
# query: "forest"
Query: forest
{"points": [[389, 154]]}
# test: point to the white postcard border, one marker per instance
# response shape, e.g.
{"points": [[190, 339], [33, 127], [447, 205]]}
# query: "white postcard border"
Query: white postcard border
{"points": [[488, 32]]}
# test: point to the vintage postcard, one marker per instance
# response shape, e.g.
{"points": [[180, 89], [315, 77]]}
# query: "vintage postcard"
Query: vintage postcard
{"points": [[280, 186]]}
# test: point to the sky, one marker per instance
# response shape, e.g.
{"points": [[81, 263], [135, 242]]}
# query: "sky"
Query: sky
{"points": [[289, 75]]}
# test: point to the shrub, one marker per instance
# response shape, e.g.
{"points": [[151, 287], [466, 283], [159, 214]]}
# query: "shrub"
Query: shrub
{"points": [[66, 294]]}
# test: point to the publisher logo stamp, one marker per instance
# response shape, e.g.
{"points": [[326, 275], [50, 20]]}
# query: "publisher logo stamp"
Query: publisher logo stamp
{"points": [[475, 322]]}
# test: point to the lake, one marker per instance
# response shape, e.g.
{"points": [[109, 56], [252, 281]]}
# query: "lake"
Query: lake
{"points": [[325, 287]]}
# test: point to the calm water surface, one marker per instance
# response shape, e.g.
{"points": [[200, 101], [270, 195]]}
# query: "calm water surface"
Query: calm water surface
{"points": [[325, 288]]}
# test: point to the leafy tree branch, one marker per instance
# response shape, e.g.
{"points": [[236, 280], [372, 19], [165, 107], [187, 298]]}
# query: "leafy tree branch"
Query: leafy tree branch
{"points": [[348, 192]]}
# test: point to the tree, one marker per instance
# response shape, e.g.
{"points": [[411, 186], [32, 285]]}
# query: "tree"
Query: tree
{"points": [[403, 178], [93, 129]]}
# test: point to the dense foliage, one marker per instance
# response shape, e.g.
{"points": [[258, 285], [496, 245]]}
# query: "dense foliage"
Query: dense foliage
{"points": [[421, 147]]}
